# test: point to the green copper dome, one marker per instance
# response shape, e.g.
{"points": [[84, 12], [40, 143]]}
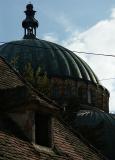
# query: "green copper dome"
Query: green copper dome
{"points": [[98, 128], [55, 60], [52, 69]]}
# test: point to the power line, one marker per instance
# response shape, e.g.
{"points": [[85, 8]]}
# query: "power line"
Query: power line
{"points": [[96, 54], [106, 79], [79, 52], [110, 55]]}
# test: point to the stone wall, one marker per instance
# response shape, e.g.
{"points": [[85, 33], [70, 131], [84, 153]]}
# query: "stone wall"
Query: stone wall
{"points": [[25, 121], [84, 92]]}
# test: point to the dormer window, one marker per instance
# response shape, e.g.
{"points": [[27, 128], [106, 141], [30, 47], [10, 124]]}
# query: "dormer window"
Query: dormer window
{"points": [[35, 126], [43, 129]]}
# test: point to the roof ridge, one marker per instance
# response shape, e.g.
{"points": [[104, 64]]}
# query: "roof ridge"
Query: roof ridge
{"points": [[29, 86], [84, 140]]}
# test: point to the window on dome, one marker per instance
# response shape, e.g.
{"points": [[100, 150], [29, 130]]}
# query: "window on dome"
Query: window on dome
{"points": [[43, 129], [89, 96], [67, 92], [82, 93], [55, 92]]}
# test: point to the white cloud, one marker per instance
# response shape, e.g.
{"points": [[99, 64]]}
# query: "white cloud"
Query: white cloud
{"points": [[100, 38], [50, 37], [113, 13], [64, 22]]}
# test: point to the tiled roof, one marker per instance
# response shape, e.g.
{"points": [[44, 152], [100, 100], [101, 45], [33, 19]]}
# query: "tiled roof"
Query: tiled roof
{"points": [[98, 127], [12, 148], [8, 126], [72, 143], [8, 79], [68, 147], [15, 91]]}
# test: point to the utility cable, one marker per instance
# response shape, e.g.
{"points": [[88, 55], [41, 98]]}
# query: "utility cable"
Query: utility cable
{"points": [[95, 54], [79, 52], [89, 53], [106, 79]]}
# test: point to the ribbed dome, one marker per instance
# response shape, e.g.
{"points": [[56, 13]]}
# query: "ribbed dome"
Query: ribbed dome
{"points": [[97, 127], [54, 59]]}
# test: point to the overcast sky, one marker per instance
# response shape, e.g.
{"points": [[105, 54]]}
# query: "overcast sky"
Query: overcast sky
{"points": [[82, 25]]}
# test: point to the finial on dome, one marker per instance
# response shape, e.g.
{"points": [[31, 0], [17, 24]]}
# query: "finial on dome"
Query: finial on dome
{"points": [[30, 23]]}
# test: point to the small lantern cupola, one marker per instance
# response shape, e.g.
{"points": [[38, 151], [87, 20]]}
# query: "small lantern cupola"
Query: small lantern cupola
{"points": [[30, 23]]}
